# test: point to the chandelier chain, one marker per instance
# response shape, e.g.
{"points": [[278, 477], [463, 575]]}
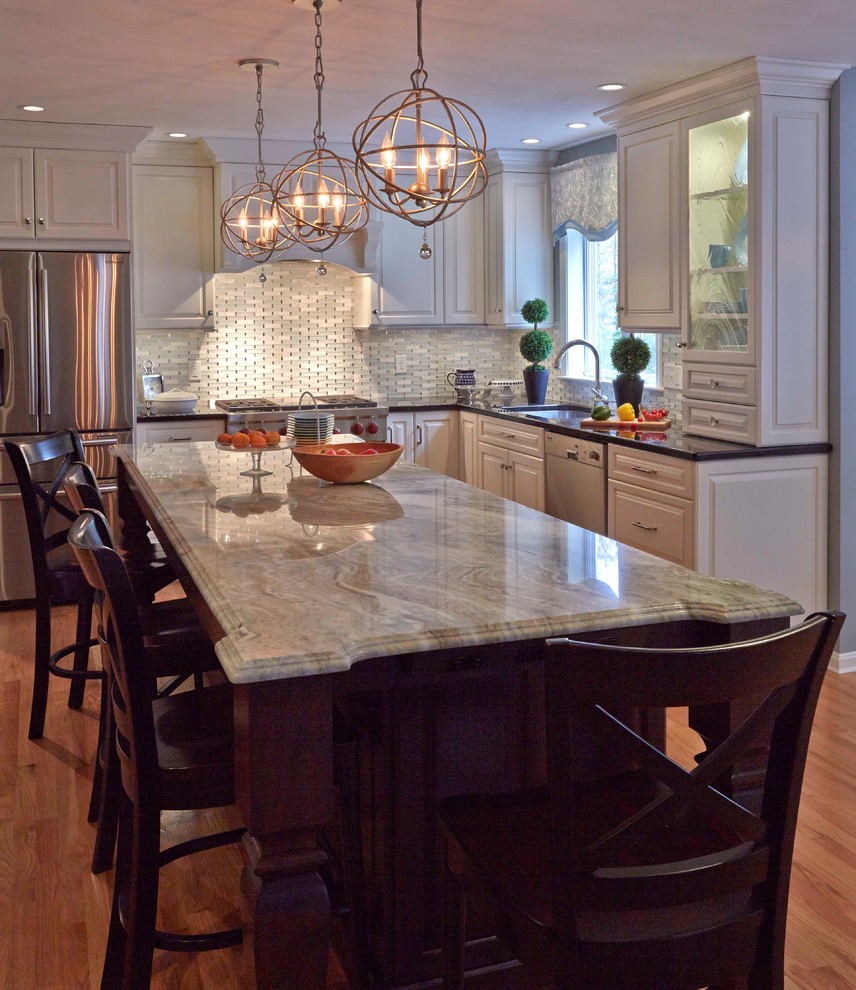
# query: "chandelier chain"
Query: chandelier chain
{"points": [[419, 76], [320, 137], [260, 123]]}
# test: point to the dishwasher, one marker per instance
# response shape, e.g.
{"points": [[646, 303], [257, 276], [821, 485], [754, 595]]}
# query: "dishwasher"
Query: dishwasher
{"points": [[576, 481]]}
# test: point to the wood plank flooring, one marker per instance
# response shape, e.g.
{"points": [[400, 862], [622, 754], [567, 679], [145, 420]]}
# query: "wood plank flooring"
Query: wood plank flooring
{"points": [[54, 912]]}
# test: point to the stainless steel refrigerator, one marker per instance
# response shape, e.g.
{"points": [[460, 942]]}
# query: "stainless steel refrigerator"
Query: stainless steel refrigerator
{"points": [[66, 361]]}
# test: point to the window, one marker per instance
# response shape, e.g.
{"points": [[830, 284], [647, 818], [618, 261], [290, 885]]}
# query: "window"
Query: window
{"points": [[591, 293]]}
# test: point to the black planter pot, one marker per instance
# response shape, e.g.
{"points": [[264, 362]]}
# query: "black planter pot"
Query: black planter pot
{"points": [[535, 380], [628, 392]]}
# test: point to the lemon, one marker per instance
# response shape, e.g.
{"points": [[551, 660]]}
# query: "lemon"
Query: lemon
{"points": [[625, 412]]}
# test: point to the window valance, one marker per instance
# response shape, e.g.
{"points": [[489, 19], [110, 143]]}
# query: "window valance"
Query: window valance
{"points": [[584, 196]]}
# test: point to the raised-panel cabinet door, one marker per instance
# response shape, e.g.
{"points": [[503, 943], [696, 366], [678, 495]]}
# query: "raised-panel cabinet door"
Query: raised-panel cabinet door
{"points": [[526, 483], [468, 443], [399, 427], [173, 246], [649, 234], [410, 288], [81, 194], [436, 441], [17, 207], [492, 468], [463, 261]]}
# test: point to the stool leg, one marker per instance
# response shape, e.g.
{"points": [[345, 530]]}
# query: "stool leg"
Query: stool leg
{"points": [[81, 654], [114, 959], [110, 791], [142, 900], [454, 932], [41, 673]]}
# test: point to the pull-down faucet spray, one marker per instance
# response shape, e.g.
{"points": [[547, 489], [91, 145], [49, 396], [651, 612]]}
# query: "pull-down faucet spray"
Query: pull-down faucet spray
{"points": [[592, 348]]}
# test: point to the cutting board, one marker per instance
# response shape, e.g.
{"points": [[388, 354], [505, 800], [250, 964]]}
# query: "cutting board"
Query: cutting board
{"points": [[637, 425]]}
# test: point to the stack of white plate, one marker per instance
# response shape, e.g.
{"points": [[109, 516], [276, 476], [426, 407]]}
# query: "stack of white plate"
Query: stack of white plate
{"points": [[310, 427]]}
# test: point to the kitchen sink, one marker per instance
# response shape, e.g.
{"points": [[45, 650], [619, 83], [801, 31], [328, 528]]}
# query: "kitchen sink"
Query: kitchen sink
{"points": [[554, 412]]}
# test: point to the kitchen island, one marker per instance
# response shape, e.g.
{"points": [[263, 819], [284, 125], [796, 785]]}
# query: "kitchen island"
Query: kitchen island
{"points": [[415, 606]]}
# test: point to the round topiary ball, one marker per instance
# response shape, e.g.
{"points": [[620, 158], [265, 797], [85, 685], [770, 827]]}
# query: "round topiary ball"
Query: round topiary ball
{"points": [[534, 311], [535, 346], [630, 355]]}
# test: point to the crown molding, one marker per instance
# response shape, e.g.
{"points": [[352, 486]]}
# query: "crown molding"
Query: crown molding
{"points": [[175, 152], [519, 160], [77, 137]]}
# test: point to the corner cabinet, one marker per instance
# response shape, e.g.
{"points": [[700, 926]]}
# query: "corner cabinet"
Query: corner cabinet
{"points": [[430, 438], [736, 253], [173, 247]]}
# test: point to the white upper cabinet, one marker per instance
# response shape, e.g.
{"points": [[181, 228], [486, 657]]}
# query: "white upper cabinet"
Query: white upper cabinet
{"points": [[446, 288], [64, 195], [518, 238], [173, 247]]}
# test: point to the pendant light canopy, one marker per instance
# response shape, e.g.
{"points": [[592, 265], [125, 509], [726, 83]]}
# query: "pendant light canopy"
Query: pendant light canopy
{"points": [[250, 220], [317, 190], [420, 155]]}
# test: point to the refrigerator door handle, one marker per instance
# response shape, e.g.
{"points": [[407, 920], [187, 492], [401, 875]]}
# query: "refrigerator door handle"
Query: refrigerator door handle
{"points": [[5, 356], [32, 343], [46, 343], [109, 441]]}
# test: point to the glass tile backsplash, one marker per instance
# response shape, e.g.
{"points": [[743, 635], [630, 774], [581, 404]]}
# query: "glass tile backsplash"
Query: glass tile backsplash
{"points": [[292, 330]]}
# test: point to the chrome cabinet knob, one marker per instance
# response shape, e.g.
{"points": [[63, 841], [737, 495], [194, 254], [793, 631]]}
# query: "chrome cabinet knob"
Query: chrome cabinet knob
{"points": [[41, 221], [28, 221]]}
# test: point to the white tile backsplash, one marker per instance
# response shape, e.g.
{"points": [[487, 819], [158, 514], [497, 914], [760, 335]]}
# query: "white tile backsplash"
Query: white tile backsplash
{"points": [[282, 328]]}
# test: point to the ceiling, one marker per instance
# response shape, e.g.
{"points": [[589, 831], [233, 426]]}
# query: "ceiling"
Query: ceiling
{"points": [[528, 67]]}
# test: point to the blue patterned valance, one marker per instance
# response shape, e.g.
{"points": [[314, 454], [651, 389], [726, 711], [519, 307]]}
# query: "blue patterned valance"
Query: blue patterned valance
{"points": [[584, 196]]}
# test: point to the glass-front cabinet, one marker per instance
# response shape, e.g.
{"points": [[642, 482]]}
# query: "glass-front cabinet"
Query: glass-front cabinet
{"points": [[718, 237]]}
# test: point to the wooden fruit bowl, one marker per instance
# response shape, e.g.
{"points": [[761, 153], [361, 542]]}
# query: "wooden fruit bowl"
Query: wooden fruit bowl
{"points": [[349, 468]]}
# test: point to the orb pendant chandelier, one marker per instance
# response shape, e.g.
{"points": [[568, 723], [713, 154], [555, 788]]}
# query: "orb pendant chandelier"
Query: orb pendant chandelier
{"points": [[317, 190], [250, 220], [420, 155]]}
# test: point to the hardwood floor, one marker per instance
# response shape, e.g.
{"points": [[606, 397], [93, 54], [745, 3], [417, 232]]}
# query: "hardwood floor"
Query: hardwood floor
{"points": [[54, 912]]}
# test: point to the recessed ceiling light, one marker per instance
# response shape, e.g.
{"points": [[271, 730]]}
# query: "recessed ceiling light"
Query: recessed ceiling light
{"points": [[177, 134], [609, 87], [579, 125], [31, 108], [531, 141]]}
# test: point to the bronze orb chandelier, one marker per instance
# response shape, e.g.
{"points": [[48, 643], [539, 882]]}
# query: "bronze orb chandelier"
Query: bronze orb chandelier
{"points": [[420, 155], [317, 190], [251, 223]]}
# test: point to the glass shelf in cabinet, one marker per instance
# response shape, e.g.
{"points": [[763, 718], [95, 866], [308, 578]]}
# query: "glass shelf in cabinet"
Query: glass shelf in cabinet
{"points": [[728, 270], [718, 193]]}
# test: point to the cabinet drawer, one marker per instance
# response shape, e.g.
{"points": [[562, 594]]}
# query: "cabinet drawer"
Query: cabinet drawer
{"points": [[721, 421], [653, 471], [179, 431], [512, 436], [722, 383], [661, 524]]}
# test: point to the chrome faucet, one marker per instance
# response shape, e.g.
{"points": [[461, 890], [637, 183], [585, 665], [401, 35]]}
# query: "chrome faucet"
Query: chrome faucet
{"points": [[592, 348]]}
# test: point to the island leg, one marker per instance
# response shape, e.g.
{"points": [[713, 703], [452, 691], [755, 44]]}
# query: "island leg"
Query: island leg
{"points": [[284, 781]]}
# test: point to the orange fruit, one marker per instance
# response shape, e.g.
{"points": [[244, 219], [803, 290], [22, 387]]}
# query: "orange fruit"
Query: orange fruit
{"points": [[258, 440], [272, 439], [240, 440], [224, 438]]}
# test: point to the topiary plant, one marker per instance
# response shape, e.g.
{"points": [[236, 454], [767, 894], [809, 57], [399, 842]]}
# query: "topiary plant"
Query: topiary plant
{"points": [[535, 346], [629, 355], [534, 311]]}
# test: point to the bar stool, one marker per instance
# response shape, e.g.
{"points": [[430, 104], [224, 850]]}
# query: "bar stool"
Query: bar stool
{"points": [[174, 753], [176, 648], [58, 578]]}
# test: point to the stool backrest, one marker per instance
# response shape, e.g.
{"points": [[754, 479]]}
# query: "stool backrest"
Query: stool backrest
{"points": [[81, 487], [47, 517], [698, 857], [130, 680]]}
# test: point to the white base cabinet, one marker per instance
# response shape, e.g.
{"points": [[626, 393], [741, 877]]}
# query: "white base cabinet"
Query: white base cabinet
{"points": [[510, 461], [469, 447], [179, 431], [430, 438], [759, 519]]}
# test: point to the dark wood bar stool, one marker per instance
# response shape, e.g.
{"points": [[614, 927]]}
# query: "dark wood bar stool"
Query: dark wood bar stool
{"points": [[176, 647], [626, 870], [174, 753], [58, 578]]}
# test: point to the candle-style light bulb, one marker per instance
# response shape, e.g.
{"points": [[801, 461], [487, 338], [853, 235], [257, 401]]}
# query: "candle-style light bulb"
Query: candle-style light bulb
{"points": [[323, 202], [420, 190], [338, 209], [387, 157], [444, 158], [242, 220], [297, 202]]}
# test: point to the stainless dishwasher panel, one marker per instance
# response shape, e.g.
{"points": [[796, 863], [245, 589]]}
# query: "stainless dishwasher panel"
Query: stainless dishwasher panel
{"points": [[576, 481]]}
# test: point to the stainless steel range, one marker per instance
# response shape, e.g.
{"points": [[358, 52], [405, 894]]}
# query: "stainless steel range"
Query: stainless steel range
{"points": [[352, 414]]}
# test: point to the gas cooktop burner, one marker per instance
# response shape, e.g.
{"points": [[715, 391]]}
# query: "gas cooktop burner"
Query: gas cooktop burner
{"points": [[270, 405]]}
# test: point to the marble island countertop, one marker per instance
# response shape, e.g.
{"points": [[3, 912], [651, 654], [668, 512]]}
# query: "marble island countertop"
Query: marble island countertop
{"points": [[307, 578]]}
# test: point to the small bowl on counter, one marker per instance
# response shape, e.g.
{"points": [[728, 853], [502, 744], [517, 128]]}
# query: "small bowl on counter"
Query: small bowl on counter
{"points": [[175, 400], [347, 463]]}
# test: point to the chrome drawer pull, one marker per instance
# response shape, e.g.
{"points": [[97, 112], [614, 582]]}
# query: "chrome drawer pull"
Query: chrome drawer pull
{"points": [[642, 470], [650, 529], [713, 420], [713, 383], [179, 439]]}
